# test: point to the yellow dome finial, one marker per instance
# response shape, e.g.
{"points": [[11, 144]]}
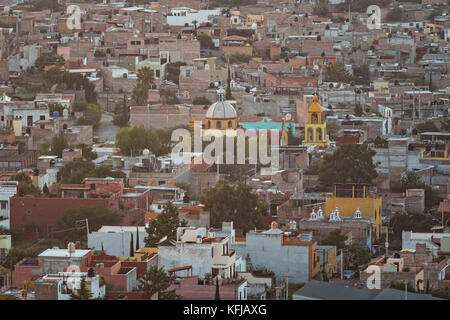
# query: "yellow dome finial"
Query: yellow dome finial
{"points": [[315, 98], [274, 225]]}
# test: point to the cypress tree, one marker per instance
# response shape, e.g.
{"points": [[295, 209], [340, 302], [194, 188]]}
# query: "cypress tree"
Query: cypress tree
{"points": [[131, 246], [103, 250], [228, 94], [137, 238], [83, 293], [217, 290], [45, 189]]}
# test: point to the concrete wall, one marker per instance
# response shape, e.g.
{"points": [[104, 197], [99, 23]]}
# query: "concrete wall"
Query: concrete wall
{"points": [[266, 252], [199, 256], [115, 244]]}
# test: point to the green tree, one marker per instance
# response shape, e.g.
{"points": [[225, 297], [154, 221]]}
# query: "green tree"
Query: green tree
{"points": [[173, 71], [362, 75], [395, 15], [358, 110], [97, 217], [87, 152], [350, 163], [131, 246], [335, 238], [137, 238], [337, 72], [44, 148], [157, 281], [227, 202], [427, 126], [165, 225], [239, 58], [92, 115], [140, 94], [47, 59], [99, 54], [131, 141], [357, 255], [145, 77], [217, 297], [206, 41], [121, 116], [83, 293], [201, 101], [170, 97], [59, 143], [45, 189], [320, 8], [26, 186], [411, 181], [80, 105]]}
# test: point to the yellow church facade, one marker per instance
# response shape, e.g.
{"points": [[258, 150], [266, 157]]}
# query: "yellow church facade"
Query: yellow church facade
{"points": [[351, 197], [316, 128]]}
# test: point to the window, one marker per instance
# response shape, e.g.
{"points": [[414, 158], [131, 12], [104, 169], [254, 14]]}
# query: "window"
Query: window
{"points": [[219, 124], [209, 124], [230, 124], [158, 73], [42, 117], [29, 121], [4, 204], [49, 228]]}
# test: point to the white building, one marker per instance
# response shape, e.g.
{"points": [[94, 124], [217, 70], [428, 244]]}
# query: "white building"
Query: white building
{"points": [[7, 190], [410, 239], [62, 284], [182, 15], [206, 253], [116, 239]]}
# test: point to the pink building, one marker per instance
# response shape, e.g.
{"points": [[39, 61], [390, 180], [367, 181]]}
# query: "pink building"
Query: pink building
{"points": [[192, 289]]}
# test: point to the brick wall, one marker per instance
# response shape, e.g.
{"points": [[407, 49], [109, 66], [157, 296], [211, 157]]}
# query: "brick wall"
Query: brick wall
{"points": [[44, 212]]}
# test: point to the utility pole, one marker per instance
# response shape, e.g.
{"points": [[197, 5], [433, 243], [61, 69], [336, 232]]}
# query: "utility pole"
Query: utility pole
{"points": [[387, 241], [87, 229], [406, 291], [287, 284]]}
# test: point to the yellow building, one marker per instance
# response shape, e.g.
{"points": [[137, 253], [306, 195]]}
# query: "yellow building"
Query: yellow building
{"points": [[316, 128], [221, 115], [350, 197]]}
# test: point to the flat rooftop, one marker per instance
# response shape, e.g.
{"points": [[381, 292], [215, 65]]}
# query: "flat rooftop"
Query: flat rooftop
{"points": [[63, 253]]}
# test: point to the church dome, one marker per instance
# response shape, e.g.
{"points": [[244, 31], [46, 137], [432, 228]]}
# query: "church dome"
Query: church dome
{"points": [[221, 109]]}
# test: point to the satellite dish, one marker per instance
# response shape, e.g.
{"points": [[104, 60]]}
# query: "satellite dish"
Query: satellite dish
{"points": [[288, 117], [254, 26], [145, 152]]}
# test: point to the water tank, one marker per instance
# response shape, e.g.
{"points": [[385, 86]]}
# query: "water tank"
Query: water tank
{"points": [[71, 248], [214, 20], [55, 114]]}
